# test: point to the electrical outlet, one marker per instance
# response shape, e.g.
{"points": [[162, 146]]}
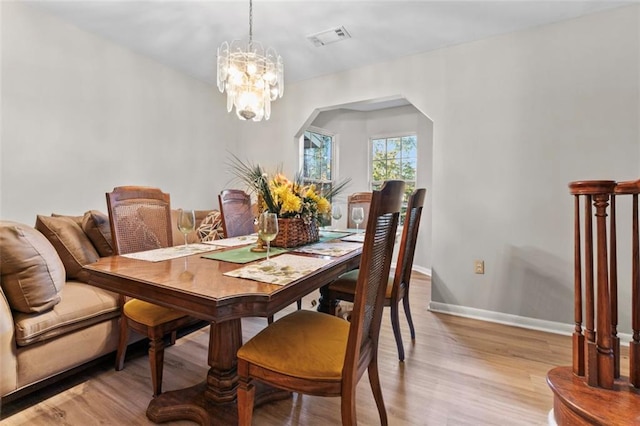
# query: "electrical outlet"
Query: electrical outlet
{"points": [[478, 266]]}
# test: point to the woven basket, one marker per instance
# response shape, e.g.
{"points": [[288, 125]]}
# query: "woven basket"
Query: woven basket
{"points": [[294, 233]]}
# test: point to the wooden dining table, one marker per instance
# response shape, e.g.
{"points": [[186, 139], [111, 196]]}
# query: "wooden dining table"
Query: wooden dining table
{"points": [[198, 287]]}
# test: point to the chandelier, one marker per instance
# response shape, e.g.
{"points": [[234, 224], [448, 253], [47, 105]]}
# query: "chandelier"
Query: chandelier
{"points": [[251, 77]]}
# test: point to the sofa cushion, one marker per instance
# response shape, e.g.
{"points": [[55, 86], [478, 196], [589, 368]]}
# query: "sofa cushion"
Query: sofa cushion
{"points": [[72, 244], [81, 305], [31, 272], [96, 225]]}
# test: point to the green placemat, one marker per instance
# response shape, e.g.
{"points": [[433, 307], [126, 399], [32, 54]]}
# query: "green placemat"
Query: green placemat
{"points": [[243, 254]]}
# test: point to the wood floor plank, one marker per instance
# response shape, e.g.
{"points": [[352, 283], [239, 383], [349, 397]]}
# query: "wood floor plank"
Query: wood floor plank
{"points": [[459, 371]]}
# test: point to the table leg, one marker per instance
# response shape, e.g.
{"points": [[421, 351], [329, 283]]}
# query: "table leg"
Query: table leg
{"points": [[213, 401], [222, 379], [326, 304]]}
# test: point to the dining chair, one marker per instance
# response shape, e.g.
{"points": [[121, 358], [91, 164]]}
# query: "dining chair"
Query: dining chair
{"points": [[344, 288], [238, 218], [358, 199], [319, 354], [237, 215], [140, 219]]}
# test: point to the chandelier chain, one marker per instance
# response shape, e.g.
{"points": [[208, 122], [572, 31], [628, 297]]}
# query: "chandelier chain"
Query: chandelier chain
{"points": [[250, 22]]}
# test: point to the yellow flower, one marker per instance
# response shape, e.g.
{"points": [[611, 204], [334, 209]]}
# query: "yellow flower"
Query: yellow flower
{"points": [[279, 191], [311, 193], [281, 180], [290, 203], [323, 205]]}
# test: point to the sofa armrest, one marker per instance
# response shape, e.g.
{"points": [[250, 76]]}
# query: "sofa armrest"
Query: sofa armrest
{"points": [[9, 368]]}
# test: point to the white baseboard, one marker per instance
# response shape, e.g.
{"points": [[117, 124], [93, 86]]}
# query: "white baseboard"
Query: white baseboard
{"points": [[509, 319], [502, 318], [421, 269], [551, 419]]}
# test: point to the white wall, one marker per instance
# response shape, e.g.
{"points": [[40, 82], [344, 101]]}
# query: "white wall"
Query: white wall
{"points": [[81, 115], [353, 130], [515, 118]]}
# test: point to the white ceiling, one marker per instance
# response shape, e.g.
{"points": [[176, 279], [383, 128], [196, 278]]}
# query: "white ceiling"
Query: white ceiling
{"points": [[185, 34]]}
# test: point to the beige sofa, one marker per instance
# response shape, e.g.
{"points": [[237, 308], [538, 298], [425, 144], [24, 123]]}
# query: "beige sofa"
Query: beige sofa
{"points": [[51, 320]]}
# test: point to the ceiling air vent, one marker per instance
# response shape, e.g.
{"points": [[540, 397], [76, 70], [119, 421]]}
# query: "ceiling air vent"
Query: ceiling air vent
{"points": [[329, 36]]}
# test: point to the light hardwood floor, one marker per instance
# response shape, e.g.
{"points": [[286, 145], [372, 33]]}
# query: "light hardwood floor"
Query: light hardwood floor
{"points": [[459, 371]]}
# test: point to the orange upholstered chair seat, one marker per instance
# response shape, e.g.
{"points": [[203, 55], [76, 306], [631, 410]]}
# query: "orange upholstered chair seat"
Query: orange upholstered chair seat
{"points": [[305, 344], [149, 314], [346, 283]]}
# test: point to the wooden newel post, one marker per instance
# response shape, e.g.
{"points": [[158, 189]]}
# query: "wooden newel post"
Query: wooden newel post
{"points": [[633, 188], [613, 286], [609, 399], [593, 353], [578, 337], [606, 364]]}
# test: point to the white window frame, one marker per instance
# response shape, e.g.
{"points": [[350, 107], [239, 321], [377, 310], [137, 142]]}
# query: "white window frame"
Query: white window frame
{"points": [[334, 152], [389, 136], [394, 135]]}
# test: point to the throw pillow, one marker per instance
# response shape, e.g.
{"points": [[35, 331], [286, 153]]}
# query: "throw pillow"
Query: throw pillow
{"points": [[76, 219], [211, 227], [72, 244], [96, 225], [31, 272]]}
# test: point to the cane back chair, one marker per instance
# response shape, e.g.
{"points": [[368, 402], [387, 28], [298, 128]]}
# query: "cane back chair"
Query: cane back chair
{"points": [[238, 219], [344, 288], [320, 354], [140, 219], [237, 215]]}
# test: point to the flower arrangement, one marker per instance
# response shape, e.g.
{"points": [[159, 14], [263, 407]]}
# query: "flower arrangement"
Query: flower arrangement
{"points": [[289, 199]]}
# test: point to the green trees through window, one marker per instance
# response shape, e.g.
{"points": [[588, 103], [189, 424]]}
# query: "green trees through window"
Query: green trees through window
{"points": [[317, 162], [391, 158], [394, 158]]}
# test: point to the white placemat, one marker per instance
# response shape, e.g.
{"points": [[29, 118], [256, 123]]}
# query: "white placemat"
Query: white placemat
{"points": [[281, 270], [335, 249], [235, 241], [356, 238], [167, 253]]}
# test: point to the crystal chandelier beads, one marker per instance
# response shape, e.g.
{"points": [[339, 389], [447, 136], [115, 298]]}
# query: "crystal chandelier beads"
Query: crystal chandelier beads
{"points": [[252, 77]]}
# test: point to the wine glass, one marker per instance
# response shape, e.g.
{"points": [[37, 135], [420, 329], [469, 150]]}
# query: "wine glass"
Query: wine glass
{"points": [[186, 222], [336, 212], [267, 228], [357, 216]]}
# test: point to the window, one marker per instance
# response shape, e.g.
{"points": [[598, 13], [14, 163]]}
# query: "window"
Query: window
{"points": [[394, 158], [317, 161]]}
